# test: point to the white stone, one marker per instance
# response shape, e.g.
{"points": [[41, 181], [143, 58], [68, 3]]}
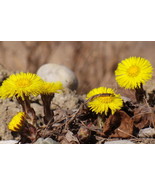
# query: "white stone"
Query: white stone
{"points": [[119, 142], [147, 132], [46, 141], [8, 142], [55, 72]]}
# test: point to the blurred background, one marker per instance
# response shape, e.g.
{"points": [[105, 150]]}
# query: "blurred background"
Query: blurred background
{"points": [[93, 62]]}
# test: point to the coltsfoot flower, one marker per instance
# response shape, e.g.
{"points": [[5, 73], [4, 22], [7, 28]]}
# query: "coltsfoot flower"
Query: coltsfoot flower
{"points": [[17, 122], [132, 72], [103, 99], [51, 87], [21, 85]]}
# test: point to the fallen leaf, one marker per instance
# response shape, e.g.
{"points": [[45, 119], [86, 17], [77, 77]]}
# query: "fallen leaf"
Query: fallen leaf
{"points": [[143, 117], [70, 137], [119, 125]]}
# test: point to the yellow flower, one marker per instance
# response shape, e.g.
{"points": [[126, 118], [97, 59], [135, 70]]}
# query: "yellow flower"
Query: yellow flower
{"points": [[21, 85], [51, 87], [102, 99], [132, 72], [17, 122]]}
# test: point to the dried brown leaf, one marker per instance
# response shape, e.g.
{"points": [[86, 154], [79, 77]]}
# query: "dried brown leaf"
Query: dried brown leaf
{"points": [[71, 138], [119, 125], [143, 116]]}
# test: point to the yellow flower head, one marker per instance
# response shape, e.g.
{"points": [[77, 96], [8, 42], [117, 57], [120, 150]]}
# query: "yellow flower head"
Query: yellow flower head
{"points": [[21, 85], [17, 122], [51, 87], [102, 99], [132, 72]]}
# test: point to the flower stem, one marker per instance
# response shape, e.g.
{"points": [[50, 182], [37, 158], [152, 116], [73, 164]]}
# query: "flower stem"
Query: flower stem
{"points": [[30, 112], [140, 94], [48, 113]]}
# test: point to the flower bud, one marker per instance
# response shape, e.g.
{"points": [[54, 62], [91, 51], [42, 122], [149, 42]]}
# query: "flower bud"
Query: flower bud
{"points": [[83, 134]]}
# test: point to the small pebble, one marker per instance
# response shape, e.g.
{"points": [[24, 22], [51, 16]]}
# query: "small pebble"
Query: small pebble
{"points": [[46, 141], [147, 132], [119, 142], [8, 142]]}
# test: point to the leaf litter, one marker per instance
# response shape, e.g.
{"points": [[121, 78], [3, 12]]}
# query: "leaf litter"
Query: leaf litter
{"points": [[82, 126]]}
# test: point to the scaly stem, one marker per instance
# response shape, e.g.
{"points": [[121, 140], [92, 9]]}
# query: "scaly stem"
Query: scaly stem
{"points": [[30, 112], [48, 113], [140, 94]]}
